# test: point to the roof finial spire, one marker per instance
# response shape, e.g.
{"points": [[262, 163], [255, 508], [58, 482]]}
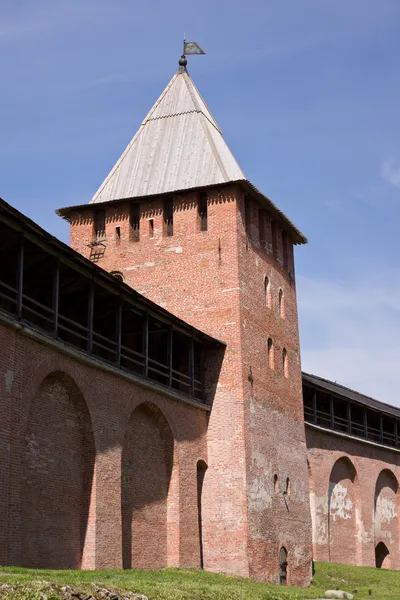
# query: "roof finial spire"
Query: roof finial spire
{"points": [[182, 64], [182, 61]]}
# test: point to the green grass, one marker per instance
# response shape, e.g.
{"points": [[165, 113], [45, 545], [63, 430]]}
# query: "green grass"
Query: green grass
{"points": [[190, 584]]}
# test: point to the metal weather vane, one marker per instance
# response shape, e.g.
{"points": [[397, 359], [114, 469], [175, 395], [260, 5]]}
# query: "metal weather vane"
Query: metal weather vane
{"points": [[188, 48], [191, 48]]}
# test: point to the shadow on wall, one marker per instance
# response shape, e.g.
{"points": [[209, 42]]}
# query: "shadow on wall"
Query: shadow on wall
{"points": [[382, 556], [201, 472], [58, 466], [342, 507], [55, 490], [212, 370], [148, 449]]}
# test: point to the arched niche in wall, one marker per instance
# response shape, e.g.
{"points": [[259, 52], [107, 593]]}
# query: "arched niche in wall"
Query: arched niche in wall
{"points": [[58, 467], [343, 501], [382, 556], [283, 566], [146, 469], [386, 516]]}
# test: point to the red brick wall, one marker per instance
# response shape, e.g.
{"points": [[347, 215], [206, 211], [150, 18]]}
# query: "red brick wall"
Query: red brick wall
{"points": [[354, 498], [275, 437], [148, 440], [57, 476], [386, 515], [47, 396], [194, 274], [343, 508], [215, 281]]}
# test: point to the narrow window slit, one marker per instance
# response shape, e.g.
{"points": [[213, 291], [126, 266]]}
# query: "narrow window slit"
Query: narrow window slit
{"points": [[134, 222], [281, 304], [168, 217], [267, 291], [100, 224], [202, 211], [270, 349], [285, 363]]}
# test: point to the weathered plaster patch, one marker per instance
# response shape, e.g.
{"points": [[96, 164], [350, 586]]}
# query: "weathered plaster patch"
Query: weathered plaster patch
{"points": [[319, 512], [385, 510], [144, 265], [363, 535], [260, 494], [177, 249], [385, 515], [259, 460], [321, 505], [341, 505], [300, 491], [298, 556]]}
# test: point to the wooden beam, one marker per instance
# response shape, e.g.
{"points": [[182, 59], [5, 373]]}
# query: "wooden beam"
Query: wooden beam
{"points": [[365, 421], [314, 406], [331, 413], [202, 374], [20, 275], [349, 417], [170, 354], [191, 366], [56, 296], [146, 344], [90, 318], [118, 333]]}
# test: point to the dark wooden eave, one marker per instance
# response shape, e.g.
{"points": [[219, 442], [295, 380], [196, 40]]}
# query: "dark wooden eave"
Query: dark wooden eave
{"points": [[22, 223], [340, 390]]}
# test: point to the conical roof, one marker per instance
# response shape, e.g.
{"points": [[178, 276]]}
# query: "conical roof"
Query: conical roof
{"points": [[178, 146]]}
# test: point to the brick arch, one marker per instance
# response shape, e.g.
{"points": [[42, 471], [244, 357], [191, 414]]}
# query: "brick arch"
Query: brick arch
{"points": [[386, 507], [58, 456], [343, 508], [39, 372], [147, 462], [382, 556]]}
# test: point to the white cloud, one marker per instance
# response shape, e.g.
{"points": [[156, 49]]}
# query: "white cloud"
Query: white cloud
{"points": [[390, 172], [350, 332]]}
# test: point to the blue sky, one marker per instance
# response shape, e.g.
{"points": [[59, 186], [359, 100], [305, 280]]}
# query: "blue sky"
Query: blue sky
{"points": [[307, 94]]}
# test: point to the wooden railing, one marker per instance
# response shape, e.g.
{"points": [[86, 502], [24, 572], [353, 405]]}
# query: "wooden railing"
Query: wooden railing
{"points": [[365, 429], [52, 323]]}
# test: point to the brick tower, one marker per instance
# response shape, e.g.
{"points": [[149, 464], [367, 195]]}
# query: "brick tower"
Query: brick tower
{"points": [[178, 221]]}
